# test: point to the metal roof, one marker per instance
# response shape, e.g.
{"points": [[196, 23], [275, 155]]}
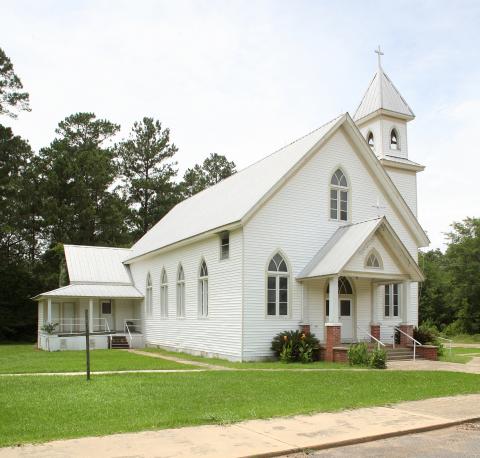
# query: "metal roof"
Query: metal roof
{"points": [[332, 258], [382, 94], [91, 264], [94, 291], [230, 200]]}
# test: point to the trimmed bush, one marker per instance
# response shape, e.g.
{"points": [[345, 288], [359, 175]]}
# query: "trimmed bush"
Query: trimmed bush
{"points": [[378, 359], [358, 354], [292, 346]]}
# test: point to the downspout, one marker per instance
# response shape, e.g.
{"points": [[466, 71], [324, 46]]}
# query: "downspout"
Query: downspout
{"points": [[242, 326]]}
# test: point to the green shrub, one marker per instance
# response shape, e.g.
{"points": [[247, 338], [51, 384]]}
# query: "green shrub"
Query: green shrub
{"points": [[453, 329], [358, 354], [426, 334], [378, 359], [294, 346]]}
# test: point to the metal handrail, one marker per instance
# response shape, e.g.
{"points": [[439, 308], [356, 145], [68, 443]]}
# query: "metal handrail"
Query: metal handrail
{"points": [[415, 341], [379, 342], [127, 327]]}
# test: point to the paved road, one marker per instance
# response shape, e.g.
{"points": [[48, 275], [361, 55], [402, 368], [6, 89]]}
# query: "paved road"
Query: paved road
{"points": [[457, 441]]}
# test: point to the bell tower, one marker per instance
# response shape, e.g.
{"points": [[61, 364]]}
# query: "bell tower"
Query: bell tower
{"points": [[383, 114], [382, 118]]}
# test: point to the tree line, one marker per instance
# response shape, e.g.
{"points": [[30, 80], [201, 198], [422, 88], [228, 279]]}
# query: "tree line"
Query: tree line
{"points": [[83, 188], [450, 294]]}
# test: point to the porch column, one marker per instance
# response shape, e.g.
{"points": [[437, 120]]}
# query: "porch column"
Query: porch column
{"points": [[407, 320], [90, 314], [49, 310], [375, 313], [333, 328]]}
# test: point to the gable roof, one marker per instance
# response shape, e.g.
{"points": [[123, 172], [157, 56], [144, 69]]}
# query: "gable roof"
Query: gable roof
{"points": [[347, 240], [382, 95], [229, 200], [233, 200], [92, 264]]}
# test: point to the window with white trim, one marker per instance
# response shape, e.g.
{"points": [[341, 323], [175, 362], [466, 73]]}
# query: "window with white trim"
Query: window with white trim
{"points": [[180, 292], [277, 287], [148, 296], [339, 196], [394, 140], [392, 300], [224, 245], [203, 290], [374, 260], [164, 294]]}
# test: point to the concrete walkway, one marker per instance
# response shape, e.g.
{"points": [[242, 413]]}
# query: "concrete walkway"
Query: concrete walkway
{"points": [[472, 367], [182, 361], [268, 437], [133, 371]]}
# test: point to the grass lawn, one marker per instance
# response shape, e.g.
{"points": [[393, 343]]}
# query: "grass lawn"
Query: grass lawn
{"points": [[466, 338], [35, 409], [459, 354], [250, 365], [20, 359]]}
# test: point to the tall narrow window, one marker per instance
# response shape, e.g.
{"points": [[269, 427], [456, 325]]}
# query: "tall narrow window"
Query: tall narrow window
{"points": [[203, 290], [148, 296], [164, 294], [224, 245], [277, 287], [339, 196], [392, 300], [394, 143], [180, 292], [370, 140]]}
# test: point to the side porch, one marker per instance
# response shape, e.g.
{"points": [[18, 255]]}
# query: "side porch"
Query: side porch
{"points": [[115, 319]]}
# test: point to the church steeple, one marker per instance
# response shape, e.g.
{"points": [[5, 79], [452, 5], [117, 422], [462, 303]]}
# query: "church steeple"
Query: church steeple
{"points": [[382, 115]]}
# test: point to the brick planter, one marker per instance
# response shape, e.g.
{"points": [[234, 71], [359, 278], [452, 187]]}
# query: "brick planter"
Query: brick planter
{"points": [[333, 336], [428, 352], [340, 354], [305, 328]]}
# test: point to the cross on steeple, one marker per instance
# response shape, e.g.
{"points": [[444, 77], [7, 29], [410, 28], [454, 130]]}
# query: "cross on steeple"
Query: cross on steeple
{"points": [[380, 53]]}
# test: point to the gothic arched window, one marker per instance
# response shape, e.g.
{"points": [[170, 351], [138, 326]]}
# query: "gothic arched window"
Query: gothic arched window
{"points": [[370, 140], [394, 140], [277, 286], [148, 296], [164, 294], [339, 196], [180, 292], [203, 289], [374, 260]]}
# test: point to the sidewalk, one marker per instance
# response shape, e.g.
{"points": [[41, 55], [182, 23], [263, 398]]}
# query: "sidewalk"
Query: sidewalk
{"points": [[268, 437]]}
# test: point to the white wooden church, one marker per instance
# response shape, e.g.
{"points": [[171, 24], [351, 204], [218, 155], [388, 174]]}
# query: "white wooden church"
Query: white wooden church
{"points": [[321, 235]]}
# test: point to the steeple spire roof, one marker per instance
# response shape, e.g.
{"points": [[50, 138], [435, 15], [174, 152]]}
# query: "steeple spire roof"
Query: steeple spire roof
{"points": [[382, 95]]}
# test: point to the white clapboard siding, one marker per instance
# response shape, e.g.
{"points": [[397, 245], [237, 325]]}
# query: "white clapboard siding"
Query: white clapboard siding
{"points": [[406, 183], [220, 333], [296, 220]]}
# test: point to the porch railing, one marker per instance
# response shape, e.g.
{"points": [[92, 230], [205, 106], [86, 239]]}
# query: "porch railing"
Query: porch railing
{"points": [[77, 325], [415, 341], [378, 341], [132, 326]]}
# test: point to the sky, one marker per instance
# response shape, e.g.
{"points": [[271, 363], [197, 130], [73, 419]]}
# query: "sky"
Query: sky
{"points": [[244, 78]]}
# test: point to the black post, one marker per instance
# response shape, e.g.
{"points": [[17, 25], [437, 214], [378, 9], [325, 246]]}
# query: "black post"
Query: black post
{"points": [[87, 342]]}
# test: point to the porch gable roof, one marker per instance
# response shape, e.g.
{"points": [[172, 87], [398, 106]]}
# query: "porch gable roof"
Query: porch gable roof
{"points": [[347, 240], [93, 291]]}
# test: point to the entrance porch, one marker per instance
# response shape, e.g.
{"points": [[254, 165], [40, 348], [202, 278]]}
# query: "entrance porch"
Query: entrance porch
{"points": [[361, 287]]}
